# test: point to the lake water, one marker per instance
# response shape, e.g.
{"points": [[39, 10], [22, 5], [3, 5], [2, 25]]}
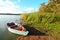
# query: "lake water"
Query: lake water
{"points": [[4, 33]]}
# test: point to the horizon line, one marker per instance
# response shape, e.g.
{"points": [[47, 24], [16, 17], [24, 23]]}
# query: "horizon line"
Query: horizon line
{"points": [[8, 14]]}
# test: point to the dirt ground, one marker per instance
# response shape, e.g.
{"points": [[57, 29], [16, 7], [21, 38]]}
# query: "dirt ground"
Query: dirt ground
{"points": [[35, 38]]}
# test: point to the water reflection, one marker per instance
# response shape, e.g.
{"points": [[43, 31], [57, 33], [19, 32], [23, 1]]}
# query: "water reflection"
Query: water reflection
{"points": [[4, 33]]}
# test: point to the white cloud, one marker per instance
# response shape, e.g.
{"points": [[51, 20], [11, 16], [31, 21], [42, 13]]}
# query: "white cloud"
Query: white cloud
{"points": [[31, 9], [8, 6]]}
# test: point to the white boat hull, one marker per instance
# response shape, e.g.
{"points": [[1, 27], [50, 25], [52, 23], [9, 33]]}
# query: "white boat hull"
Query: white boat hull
{"points": [[24, 33]]}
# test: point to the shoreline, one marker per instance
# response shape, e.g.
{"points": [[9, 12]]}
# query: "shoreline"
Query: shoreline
{"points": [[35, 38]]}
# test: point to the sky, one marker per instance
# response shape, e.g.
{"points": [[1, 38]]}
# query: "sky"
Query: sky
{"points": [[20, 6]]}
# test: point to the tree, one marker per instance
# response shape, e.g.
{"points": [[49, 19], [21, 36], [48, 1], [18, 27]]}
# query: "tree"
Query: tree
{"points": [[51, 7]]}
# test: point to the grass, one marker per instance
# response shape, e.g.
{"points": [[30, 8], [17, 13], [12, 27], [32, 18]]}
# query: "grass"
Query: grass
{"points": [[48, 23]]}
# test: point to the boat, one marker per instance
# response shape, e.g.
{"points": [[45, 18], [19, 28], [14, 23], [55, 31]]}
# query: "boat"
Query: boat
{"points": [[24, 33]]}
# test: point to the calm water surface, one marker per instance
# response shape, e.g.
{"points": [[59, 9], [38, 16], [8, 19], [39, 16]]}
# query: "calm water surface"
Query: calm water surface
{"points": [[4, 33]]}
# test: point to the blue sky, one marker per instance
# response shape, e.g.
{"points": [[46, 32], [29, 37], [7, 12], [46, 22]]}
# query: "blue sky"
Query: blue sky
{"points": [[32, 3], [20, 6]]}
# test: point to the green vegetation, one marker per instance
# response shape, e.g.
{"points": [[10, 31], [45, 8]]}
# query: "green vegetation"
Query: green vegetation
{"points": [[48, 23], [46, 20]]}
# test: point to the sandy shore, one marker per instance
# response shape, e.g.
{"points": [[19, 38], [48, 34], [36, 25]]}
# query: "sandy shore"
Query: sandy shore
{"points": [[35, 38]]}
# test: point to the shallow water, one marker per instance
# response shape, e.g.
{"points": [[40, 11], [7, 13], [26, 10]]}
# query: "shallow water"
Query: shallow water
{"points": [[4, 33]]}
